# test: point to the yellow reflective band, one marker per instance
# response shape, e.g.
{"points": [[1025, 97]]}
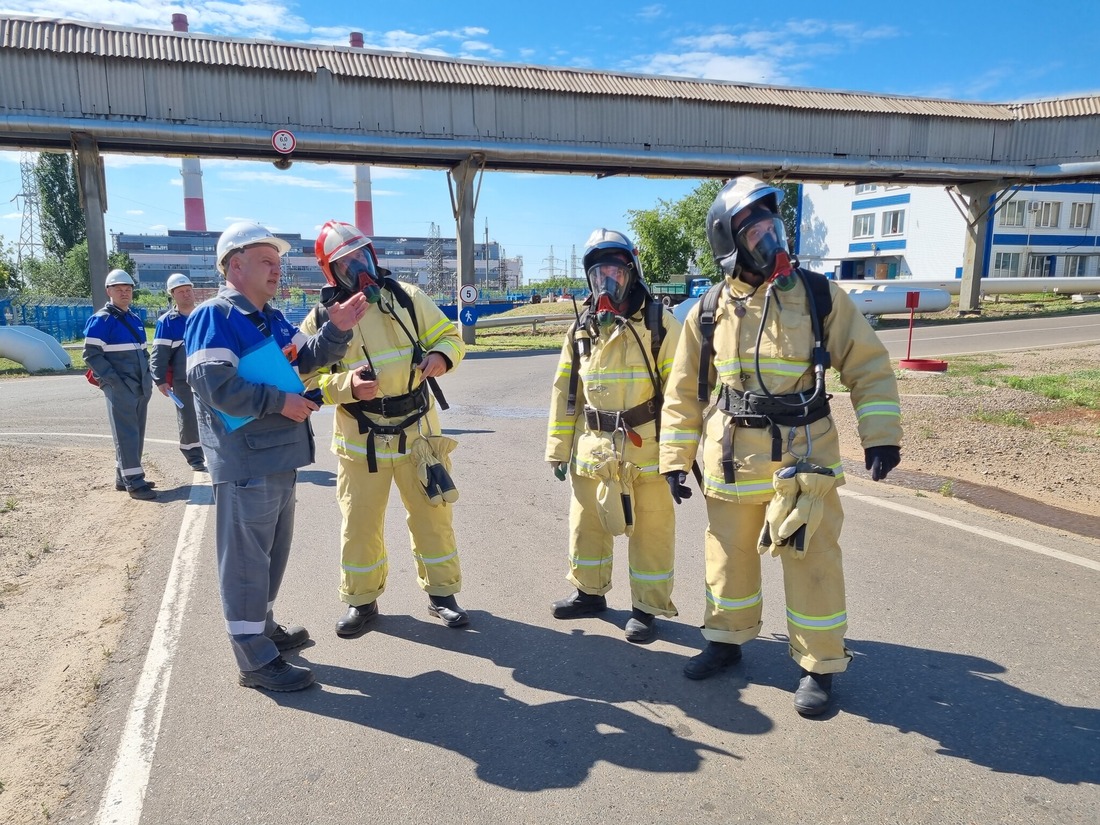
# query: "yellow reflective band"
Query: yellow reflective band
{"points": [[833, 622], [735, 604]]}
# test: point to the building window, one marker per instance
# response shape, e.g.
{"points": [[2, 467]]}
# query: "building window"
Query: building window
{"points": [[866, 187], [1012, 214], [893, 223], [1038, 266], [1077, 266], [1048, 213], [1006, 265], [1080, 216], [863, 226]]}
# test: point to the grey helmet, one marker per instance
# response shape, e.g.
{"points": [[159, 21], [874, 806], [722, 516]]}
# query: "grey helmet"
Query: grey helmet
{"points": [[607, 242], [735, 196]]}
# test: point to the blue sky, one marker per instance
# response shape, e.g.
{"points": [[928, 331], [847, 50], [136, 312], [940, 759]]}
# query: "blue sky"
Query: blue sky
{"points": [[1008, 51]]}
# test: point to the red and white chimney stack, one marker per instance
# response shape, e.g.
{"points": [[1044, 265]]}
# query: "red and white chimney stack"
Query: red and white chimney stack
{"points": [[194, 210], [364, 209]]}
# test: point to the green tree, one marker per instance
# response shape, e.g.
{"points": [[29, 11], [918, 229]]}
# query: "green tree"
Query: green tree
{"points": [[120, 260], [9, 270], [63, 225], [69, 277], [789, 211], [672, 236], [663, 247]]}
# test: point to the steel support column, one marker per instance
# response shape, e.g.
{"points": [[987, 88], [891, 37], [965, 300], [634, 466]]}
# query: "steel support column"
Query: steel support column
{"points": [[464, 204], [93, 200], [978, 211]]}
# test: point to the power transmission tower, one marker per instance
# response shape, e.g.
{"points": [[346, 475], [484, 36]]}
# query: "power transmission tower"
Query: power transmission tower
{"points": [[30, 231], [502, 272], [433, 254], [573, 264], [552, 264]]}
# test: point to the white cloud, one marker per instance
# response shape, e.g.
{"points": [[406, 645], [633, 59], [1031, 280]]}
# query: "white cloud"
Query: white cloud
{"points": [[251, 18], [11, 216], [481, 48], [746, 69], [651, 12], [158, 229], [777, 55], [175, 182], [283, 179], [127, 161], [135, 211]]}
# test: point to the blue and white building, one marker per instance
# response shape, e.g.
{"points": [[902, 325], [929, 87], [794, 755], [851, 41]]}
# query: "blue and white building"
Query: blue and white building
{"points": [[883, 232]]}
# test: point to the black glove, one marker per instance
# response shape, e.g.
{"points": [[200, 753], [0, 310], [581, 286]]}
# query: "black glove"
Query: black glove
{"points": [[881, 460], [676, 485]]}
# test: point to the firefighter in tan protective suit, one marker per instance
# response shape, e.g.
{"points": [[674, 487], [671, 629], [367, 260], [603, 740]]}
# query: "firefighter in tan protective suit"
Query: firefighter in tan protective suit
{"points": [[387, 429], [604, 421], [770, 451]]}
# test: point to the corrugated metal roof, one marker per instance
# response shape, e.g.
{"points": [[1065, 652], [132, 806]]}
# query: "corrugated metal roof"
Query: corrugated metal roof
{"points": [[70, 37], [1062, 107]]}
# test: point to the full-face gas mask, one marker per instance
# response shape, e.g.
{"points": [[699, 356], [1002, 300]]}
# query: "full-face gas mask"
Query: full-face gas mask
{"points": [[610, 278], [762, 245], [356, 272]]}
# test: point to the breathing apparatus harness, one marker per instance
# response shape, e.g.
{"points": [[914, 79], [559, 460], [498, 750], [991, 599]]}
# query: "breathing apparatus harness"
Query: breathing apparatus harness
{"points": [[412, 405], [587, 327], [763, 409]]}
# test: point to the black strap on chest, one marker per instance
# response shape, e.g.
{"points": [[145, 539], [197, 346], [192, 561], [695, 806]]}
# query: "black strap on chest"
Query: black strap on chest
{"points": [[120, 316], [821, 304], [413, 406], [582, 346], [762, 410]]}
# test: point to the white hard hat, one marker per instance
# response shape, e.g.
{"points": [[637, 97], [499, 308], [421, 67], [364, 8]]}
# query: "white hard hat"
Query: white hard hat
{"points": [[246, 233], [177, 279], [118, 277]]}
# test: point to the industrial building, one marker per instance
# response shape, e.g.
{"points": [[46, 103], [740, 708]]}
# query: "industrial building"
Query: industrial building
{"points": [[883, 231], [430, 262]]}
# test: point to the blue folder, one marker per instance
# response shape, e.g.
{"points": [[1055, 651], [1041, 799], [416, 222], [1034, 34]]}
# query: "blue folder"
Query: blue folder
{"points": [[264, 365]]}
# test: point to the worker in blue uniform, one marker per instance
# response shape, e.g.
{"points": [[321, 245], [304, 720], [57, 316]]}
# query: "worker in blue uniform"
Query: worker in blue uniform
{"points": [[114, 349], [255, 436], [169, 366]]}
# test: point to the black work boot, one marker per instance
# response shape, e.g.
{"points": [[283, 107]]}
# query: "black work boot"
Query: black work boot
{"points": [[278, 675], [641, 627], [288, 638], [356, 619], [716, 656], [577, 605], [447, 610], [813, 695], [120, 485]]}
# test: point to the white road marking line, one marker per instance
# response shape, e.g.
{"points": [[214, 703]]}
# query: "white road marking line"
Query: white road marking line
{"points": [[979, 531], [125, 792], [108, 436]]}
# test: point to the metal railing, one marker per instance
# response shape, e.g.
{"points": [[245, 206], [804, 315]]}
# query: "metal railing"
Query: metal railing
{"points": [[533, 320]]}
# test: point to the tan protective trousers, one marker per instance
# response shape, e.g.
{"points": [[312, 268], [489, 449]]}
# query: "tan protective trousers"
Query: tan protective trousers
{"points": [[814, 585], [364, 564], [650, 549]]}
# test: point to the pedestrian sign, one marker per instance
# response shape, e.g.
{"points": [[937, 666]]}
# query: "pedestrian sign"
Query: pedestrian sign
{"points": [[468, 316]]}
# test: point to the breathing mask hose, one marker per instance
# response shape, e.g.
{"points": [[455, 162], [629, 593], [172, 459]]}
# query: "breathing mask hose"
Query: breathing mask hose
{"points": [[819, 355]]}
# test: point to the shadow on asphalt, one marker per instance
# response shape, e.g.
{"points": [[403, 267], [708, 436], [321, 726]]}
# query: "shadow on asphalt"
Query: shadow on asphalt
{"points": [[319, 478], [951, 698]]}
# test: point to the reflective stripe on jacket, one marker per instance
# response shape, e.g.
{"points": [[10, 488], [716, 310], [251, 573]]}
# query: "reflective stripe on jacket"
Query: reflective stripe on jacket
{"points": [[614, 377], [390, 352], [784, 365]]}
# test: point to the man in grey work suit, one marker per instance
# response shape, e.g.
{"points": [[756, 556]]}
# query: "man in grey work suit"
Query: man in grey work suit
{"points": [[114, 349], [254, 466]]}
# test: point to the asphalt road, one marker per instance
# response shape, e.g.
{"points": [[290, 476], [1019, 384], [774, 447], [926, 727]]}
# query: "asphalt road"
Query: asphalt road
{"points": [[973, 695]]}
